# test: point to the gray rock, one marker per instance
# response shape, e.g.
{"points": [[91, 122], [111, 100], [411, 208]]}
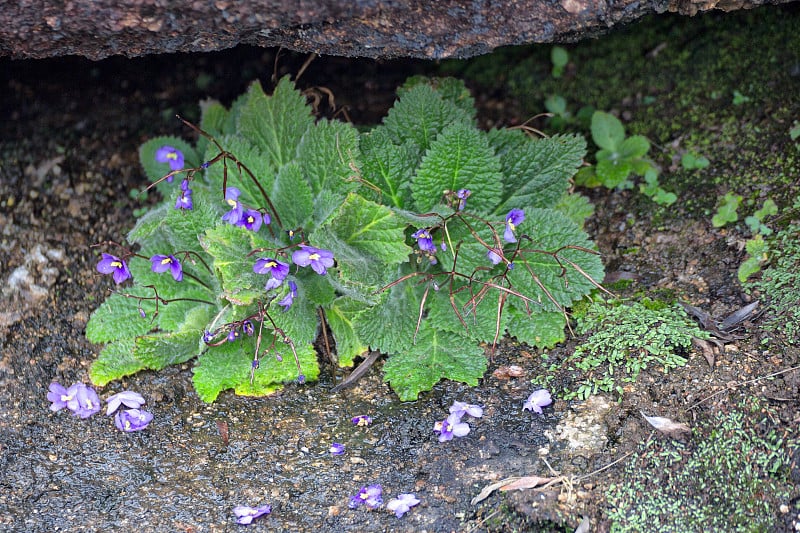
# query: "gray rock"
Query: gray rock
{"points": [[367, 28]]}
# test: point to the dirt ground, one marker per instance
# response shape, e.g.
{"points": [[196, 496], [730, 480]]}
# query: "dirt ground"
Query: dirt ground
{"points": [[68, 162]]}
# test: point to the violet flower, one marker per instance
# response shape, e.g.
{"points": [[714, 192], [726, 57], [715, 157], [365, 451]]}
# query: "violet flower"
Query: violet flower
{"points": [[361, 420], [130, 420], [513, 219], [494, 257], [173, 156], [251, 220], [451, 427], [462, 195], [424, 240], [208, 336], [538, 399], [234, 216], [162, 263], [130, 399], [461, 408], [111, 264], [286, 301], [247, 327], [319, 260], [402, 504], [84, 402], [337, 448], [275, 268], [60, 396], [369, 496], [184, 201], [233, 334], [245, 514]]}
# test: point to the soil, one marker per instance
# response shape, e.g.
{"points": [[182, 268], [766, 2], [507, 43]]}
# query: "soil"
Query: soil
{"points": [[68, 164]]}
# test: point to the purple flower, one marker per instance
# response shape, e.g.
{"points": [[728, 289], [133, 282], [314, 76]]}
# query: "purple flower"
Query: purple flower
{"points": [[185, 199], [537, 400], [162, 263], [59, 396], [275, 268], [110, 264], [247, 327], [494, 257], [234, 216], [361, 420], [84, 401], [320, 260], [173, 156], [132, 420], [402, 504], [424, 240], [251, 220], [207, 336], [286, 301], [233, 335], [337, 449], [130, 399], [451, 427], [462, 195], [461, 408], [245, 514], [513, 219], [369, 496]]}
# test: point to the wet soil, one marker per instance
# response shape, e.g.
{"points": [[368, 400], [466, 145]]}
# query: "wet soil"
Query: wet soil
{"points": [[68, 162]]}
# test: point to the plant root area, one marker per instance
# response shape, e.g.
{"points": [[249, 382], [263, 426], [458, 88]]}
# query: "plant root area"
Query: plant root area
{"points": [[69, 164]]}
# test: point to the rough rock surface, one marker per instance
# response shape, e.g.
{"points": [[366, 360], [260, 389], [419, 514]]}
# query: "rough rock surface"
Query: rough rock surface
{"points": [[366, 28]]}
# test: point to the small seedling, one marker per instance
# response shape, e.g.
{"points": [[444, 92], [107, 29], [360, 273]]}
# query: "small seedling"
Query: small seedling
{"points": [[692, 161], [726, 212], [739, 98], [559, 57]]}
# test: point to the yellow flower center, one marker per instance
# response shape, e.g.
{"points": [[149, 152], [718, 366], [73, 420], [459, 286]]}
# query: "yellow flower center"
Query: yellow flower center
{"points": [[166, 261], [116, 264], [314, 257], [173, 156]]}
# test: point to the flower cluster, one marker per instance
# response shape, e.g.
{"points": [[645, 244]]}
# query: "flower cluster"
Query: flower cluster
{"points": [[111, 264], [239, 215], [84, 402], [538, 399], [452, 426], [371, 496]]}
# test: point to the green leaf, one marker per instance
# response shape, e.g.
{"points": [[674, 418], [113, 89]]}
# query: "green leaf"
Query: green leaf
{"points": [[301, 321], [149, 223], [328, 155], [576, 206], [361, 235], [479, 316], [726, 212], [230, 246], [292, 197], [540, 330], [612, 171], [536, 171], [118, 318], [166, 349], [536, 268], [387, 167], [115, 361], [450, 89], [254, 159], [389, 327], [459, 158], [559, 56], [607, 131], [421, 114], [340, 316], [437, 355], [271, 374], [185, 315], [276, 123], [182, 227], [634, 147], [213, 117]]}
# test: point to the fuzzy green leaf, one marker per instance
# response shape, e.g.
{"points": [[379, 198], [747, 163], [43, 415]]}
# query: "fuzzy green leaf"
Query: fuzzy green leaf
{"points": [[340, 317], [328, 155], [292, 197], [437, 355], [213, 118], [118, 318], [459, 158], [361, 235], [387, 167], [254, 159], [541, 330], [271, 374], [634, 147], [149, 223], [389, 327], [185, 315], [230, 246], [551, 232], [115, 361], [276, 123], [611, 170], [165, 349], [450, 89], [536, 171], [421, 114], [607, 131], [480, 315], [182, 228]]}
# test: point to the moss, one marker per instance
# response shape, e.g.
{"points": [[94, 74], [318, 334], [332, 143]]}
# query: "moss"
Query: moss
{"points": [[732, 479]]}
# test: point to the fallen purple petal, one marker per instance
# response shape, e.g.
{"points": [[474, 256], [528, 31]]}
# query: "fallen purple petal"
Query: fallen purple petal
{"points": [[245, 514], [337, 448], [133, 400], [538, 399], [132, 420], [402, 504], [361, 420]]}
